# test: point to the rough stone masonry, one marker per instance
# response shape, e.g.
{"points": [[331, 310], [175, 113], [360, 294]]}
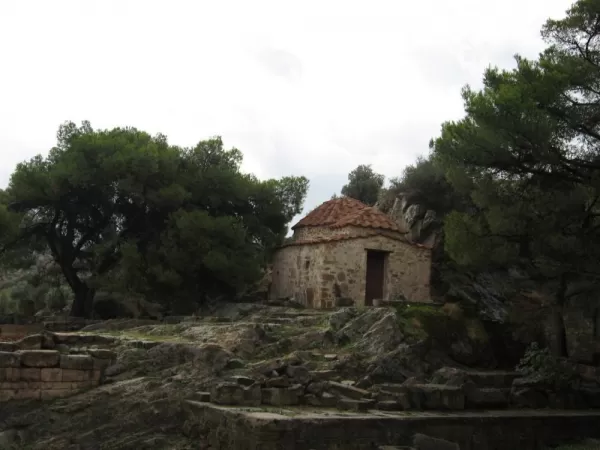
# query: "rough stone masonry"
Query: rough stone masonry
{"points": [[43, 374]]}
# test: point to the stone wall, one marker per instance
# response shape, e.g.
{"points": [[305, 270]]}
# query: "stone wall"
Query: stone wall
{"points": [[329, 273], [43, 374], [256, 429], [296, 274]]}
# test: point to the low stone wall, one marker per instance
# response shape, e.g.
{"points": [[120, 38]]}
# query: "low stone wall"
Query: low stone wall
{"points": [[300, 429], [43, 374]]}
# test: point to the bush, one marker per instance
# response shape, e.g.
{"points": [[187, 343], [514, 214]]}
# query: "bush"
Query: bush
{"points": [[542, 365]]}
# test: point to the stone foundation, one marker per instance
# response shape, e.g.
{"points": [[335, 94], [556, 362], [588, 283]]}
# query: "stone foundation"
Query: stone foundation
{"points": [[303, 429], [43, 374]]}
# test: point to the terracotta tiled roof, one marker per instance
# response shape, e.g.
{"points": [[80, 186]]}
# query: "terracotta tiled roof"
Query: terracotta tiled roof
{"points": [[346, 211]]}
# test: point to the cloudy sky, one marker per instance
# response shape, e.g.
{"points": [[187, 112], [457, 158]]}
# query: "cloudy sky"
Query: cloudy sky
{"points": [[309, 88]]}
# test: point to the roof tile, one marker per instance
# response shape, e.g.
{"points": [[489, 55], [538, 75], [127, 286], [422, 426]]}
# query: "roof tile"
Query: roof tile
{"points": [[346, 211]]}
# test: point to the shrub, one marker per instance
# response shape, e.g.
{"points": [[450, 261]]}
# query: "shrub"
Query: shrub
{"points": [[542, 365]]}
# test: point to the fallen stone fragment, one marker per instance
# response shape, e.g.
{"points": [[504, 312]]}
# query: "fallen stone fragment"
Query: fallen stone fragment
{"points": [[299, 374], [342, 390], [202, 397]]}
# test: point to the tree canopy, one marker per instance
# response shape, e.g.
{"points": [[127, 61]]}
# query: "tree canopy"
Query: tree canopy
{"points": [[125, 209], [364, 185], [527, 155]]}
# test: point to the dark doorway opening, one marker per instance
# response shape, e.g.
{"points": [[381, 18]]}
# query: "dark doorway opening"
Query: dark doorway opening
{"points": [[375, 276]]}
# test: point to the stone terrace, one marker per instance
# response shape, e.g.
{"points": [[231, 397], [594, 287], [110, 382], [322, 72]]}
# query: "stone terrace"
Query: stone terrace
{"points": [[317, 429], [33, 369]]}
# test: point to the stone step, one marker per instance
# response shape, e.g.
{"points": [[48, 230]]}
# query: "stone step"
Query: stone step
{"points": [[492, 379], [303, 428], [486, 398]]}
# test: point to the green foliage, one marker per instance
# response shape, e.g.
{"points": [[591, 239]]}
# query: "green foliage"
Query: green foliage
{"points": [[124, 210], [539, 364], [364, 185], [527, 155], [424, 182]]}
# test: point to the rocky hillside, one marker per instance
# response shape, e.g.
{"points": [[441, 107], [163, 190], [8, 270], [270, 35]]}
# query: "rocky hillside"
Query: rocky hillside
{"points": [[321, 356], [514, 309]]}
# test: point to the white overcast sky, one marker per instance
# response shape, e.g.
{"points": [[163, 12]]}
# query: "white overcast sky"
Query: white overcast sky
{"points": [[307, 87]]}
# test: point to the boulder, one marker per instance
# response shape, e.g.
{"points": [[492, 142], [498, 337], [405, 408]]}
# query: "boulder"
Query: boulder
{"points": [[383, 336]]}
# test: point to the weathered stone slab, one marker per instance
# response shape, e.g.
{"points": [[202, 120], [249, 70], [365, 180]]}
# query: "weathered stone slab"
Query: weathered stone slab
{"points": [[9, 359], [77, 362], [423, 442], [498, 430], [39, 358], [343, 390]]}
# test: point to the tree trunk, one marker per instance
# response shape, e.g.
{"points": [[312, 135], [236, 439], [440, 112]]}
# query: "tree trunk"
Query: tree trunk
{"points": [[83, 301], [559, 331]]}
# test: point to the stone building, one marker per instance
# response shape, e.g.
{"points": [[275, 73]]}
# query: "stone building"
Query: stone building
{"points": [[345, 252]]}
